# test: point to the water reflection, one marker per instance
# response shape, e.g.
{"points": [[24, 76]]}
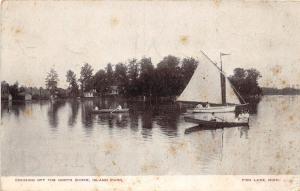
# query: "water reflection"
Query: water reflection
{"points": [[74, 104], [167, 118], [16, 108], [142, 115], [87, 117], [54, 107], [5, 107], [134, 121], [244, 132], [147, 124], [253, 104], [158, 134]]}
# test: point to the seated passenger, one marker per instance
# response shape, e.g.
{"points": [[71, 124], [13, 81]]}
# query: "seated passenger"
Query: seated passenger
{"points": [[243, 117], [96, 108], [199, 106], [213, 117], [119, 107]]}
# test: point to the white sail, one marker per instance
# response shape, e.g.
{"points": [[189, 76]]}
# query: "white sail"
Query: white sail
{"points": [[205, 85]]}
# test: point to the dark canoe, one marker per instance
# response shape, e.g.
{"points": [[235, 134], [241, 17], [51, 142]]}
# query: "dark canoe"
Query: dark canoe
{"points": [[214, 124], [204, 128], [110, 111]]}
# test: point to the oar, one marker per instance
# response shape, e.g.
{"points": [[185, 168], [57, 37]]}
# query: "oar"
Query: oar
{"points": [[114, 110], [221, 119], [224, 119]]}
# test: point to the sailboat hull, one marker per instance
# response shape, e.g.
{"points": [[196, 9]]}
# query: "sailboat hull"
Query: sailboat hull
{"points": [[213, 109]]}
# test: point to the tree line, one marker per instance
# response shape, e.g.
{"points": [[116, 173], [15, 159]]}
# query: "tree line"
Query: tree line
{"points": [[141, 78], [17, 91], [132, 78]]}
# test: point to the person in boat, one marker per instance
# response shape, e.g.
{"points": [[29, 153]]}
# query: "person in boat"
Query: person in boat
{"points": [[119, 107], [213, 117], [96, 108], [243, 117], [207, 105], [199, 106]]}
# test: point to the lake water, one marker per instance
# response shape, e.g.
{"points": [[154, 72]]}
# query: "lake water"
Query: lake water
{"points": [[64, 138]]}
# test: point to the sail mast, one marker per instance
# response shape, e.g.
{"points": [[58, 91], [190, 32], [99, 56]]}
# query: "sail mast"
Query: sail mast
{"points": [[227, 81], [223, 84]]}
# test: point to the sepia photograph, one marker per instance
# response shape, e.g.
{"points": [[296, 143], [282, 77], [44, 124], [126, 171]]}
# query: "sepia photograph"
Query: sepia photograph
{"points": [[150, 89]]}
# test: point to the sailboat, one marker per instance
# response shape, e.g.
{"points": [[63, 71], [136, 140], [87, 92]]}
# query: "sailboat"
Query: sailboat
{"points": [[210, 89]]}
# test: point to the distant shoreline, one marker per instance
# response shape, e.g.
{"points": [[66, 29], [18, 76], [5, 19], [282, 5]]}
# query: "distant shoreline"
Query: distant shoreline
{"points": [[279, 95], [283, 91]]}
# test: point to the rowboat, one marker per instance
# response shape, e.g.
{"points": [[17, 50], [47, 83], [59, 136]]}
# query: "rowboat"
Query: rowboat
{"points": [[204, 128], [110, 111], [215, 124], [195, 128]]}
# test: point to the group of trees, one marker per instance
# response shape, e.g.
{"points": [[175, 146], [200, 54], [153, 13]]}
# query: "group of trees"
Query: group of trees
{"points": [[141, 78], [15, 90], [245, 82], [52, 81], [9, 89], [133, 78]]}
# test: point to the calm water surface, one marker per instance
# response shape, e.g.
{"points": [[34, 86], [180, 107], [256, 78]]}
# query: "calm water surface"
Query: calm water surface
{"points": [[64, 138]]}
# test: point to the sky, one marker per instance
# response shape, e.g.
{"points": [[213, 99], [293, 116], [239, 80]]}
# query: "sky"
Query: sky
{"points": [[39, 35]]}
